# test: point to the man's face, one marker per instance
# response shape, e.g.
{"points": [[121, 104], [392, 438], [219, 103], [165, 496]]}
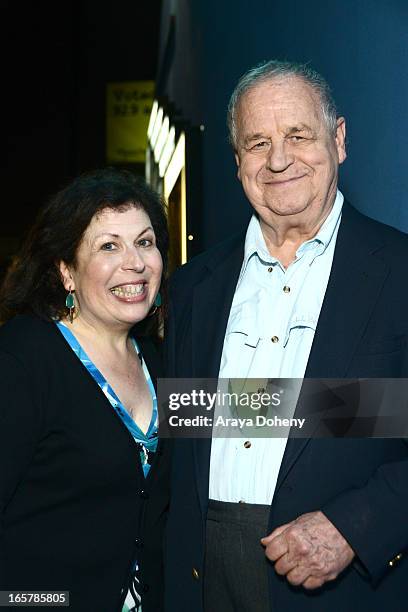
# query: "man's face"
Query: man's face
{"points": [[287, 160]]}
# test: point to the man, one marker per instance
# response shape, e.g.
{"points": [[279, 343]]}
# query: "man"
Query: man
{"points": [[313, 289]]}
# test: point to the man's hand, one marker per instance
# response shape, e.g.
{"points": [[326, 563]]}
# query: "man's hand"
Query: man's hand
{"points": [[308, 551]]}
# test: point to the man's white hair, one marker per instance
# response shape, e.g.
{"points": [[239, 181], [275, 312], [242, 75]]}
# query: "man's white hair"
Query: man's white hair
{"points": [[276, 69]]}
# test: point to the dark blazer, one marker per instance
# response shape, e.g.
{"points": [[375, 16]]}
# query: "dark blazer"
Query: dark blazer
{"points": [[75, 509], [360, 484]]}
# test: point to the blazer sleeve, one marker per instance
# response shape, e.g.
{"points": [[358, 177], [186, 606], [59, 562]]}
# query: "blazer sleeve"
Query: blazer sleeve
{"points": [[373, 519], [20, 427]]}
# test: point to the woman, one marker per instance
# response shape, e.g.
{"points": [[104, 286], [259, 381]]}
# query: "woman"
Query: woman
{"points": [[83, 478]]}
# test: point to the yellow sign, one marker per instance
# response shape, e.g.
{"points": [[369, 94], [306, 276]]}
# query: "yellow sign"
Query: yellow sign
{"points": [[128, 107]]}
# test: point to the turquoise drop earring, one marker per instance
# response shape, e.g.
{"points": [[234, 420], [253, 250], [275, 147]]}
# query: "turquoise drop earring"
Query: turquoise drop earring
{"points": [[156, 305], [158, 300], [70, 304]]}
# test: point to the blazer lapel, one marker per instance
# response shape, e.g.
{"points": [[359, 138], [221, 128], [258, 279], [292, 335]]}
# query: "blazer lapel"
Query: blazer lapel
{"points": [[211, 307], [356, 280], [355, 283]]}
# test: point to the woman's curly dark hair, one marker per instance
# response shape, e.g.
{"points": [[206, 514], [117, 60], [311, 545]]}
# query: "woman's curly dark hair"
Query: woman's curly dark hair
{"points": [[33, 283]]}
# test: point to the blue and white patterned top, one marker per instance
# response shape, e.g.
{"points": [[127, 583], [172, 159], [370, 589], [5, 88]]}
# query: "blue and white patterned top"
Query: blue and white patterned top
{"points": [[147, 442]]}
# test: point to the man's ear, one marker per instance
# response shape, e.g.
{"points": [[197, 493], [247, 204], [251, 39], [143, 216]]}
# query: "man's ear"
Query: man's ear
{"points": [[66, 276], [238, 162], [341, 139]]}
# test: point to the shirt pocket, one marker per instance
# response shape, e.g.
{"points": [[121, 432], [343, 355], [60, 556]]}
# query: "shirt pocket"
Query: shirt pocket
{"points": [[300, 325], [240, 342], [243, 325]]}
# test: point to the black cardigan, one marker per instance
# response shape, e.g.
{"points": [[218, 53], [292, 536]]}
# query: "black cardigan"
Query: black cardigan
{"points": [[75, 509]]}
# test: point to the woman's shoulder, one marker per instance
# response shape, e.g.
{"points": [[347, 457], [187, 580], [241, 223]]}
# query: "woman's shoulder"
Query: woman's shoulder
{"points": [[27, 334]]}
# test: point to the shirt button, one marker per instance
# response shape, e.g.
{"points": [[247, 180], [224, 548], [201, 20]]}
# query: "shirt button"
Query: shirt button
{"points": [[196, 574], [247, 444], [275, 339], [270, 269], [286, 289]]}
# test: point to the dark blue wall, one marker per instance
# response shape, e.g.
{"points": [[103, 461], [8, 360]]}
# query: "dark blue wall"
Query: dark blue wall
{"points": [[360, 46]]}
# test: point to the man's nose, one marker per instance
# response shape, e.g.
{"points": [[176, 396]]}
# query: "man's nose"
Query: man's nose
{"points": [[279, 157], [133, 260]]}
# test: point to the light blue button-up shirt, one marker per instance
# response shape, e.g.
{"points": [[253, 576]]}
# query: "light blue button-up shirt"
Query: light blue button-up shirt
{"points": [[269, 334]]}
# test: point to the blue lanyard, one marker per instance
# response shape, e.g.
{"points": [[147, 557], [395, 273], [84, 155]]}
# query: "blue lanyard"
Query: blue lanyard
{"points": [[147, 442]]}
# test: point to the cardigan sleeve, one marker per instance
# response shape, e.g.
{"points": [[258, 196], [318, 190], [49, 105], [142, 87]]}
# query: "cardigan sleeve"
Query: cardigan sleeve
{"points": [[20, 427]]}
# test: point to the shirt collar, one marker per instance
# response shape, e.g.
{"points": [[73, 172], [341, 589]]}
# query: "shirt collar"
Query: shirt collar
{"points": [[255, 241]]}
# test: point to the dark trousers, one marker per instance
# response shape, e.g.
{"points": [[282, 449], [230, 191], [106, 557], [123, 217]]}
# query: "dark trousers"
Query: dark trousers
{"points": [[235, 578]]}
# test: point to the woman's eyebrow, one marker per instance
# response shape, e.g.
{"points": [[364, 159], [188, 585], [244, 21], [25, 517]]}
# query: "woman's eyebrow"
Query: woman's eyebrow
{"points": [[112, 235]]}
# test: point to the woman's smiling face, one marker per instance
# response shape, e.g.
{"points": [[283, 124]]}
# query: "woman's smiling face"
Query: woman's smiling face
{"points": [[118, 269]]}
